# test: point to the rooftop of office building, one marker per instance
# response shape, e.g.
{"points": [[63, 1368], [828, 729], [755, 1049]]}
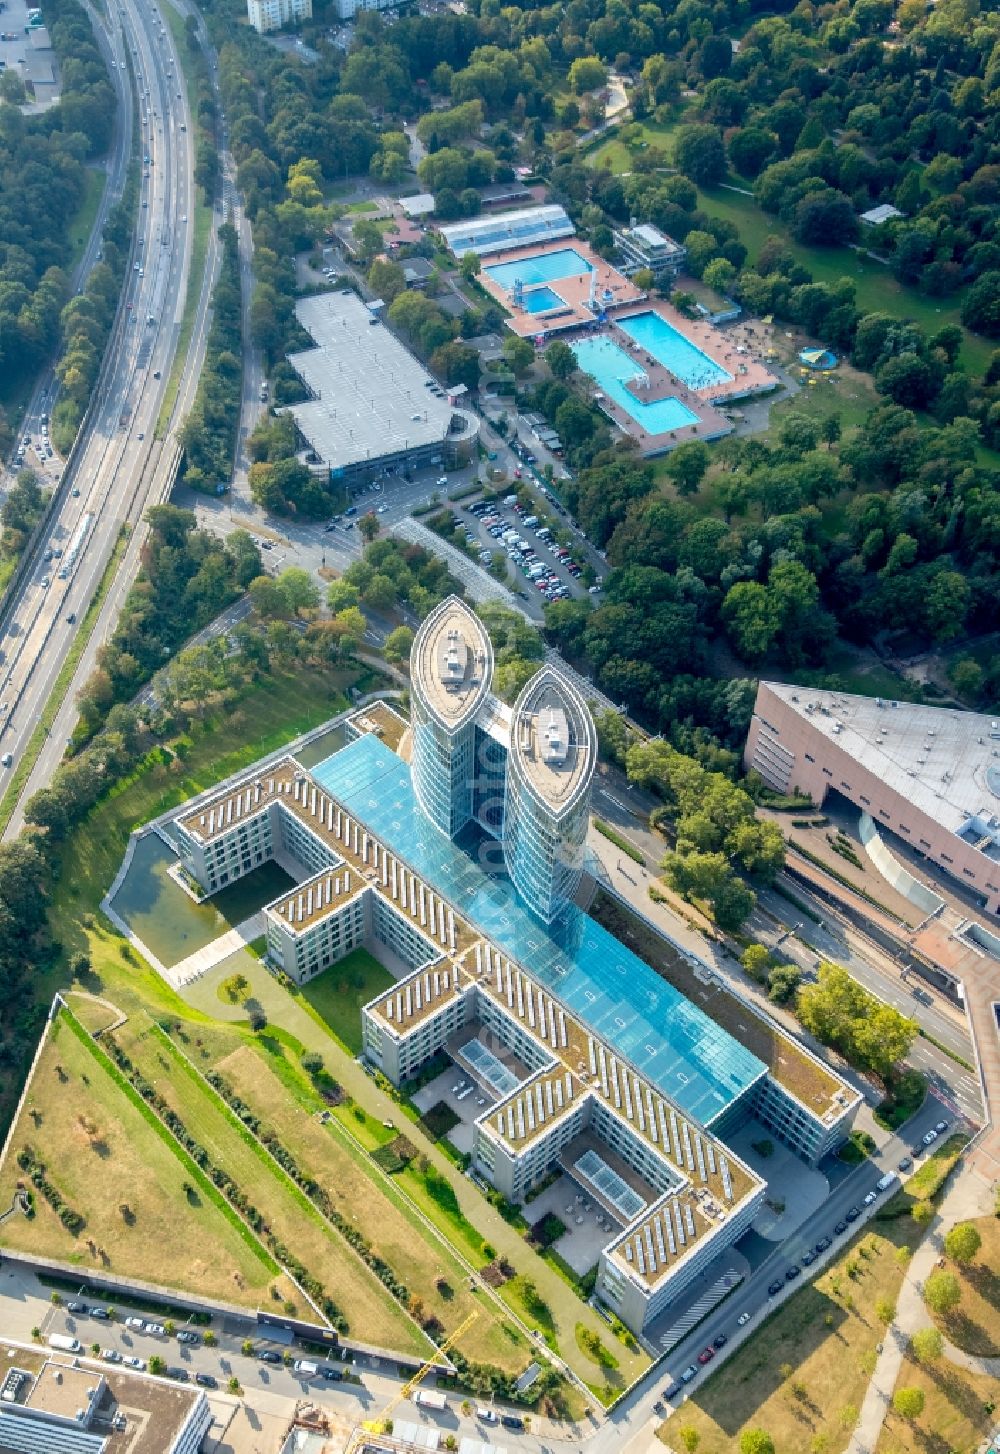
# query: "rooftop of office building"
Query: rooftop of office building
{"points": [[554, 742], [597, 980], [330, 889], [791, 1065], [451, 662]]}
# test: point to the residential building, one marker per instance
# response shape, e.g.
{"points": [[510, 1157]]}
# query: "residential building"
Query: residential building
{"points": [[930, 776], [372, 407], [268, 15], [643, 246]]}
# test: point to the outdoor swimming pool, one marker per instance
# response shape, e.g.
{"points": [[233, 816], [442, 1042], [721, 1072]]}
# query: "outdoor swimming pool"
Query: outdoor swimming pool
{"points": [[544, 267], [683, 358], [611, 366], [540, 300]]}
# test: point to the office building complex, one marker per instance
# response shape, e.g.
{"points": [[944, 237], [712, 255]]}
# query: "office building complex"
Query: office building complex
{"points": [[372, 406], [586, 1059], [268, 15], [928, 775], [523, 775], [644, 246]]}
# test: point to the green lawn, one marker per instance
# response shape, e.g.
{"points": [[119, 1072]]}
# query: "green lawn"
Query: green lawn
{"points": [[339, 992], [86, 214], [110, 1164], [614, 155], [876, 288]]}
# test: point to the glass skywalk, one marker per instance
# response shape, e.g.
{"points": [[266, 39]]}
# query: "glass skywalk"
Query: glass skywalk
{"points": [[608, 987]]}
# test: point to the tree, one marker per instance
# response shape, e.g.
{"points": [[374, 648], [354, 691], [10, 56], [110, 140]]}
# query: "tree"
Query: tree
{"points": [[927, 1345], [908, 1402], [369, 526], [368, 240], [398, 644], [341, 594], [700, 154], [587, 73], [825, 218], [687, 465], [561, 359], [690, 1438], [756, 1441], [519, 353], [942, 1292], [752, 617], [298, 590], [981, 305], [757, 962], [750, 150], [830, 430], [963, 1242]]}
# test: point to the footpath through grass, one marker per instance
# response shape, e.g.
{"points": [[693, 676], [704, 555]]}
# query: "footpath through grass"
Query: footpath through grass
{"points": [[368, 1308], [802, 1375], [128, 1184]]}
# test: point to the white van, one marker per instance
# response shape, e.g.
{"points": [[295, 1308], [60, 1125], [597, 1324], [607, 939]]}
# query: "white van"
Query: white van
{"points": [[305, 1367]]}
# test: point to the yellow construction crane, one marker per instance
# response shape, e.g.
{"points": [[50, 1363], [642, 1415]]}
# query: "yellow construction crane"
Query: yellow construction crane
{"points": [[375, 1426]]}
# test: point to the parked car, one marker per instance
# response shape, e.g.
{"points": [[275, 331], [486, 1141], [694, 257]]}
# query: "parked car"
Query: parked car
{"points": [[81, 1309], [130, 1361], [853, 1214], [268, 1355], [929, 1138], [793, 1272], [808, 1258], [822, 1244], [488, 1416], [688, 1373], [840, 1228], [706, 1355], [743, 1319], [904, 1163], [111, 1355], [186, 1336], [720, 1340], [674, 1391], [941, 1127], [136, 1324], [773, 1288], [157, 1330], [206, 1380], [512, 1421]]}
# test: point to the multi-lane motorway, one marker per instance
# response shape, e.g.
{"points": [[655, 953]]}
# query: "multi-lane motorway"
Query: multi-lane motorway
{"points": [[117, 467]]}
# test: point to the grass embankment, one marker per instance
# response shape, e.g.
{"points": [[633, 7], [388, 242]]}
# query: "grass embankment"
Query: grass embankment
{"points": [[974, 1325], [127, 1180], [338, 994], [371, 1312], [369, 1200], [85, 216], [50, 711], [802, 1376], [201, 224]]}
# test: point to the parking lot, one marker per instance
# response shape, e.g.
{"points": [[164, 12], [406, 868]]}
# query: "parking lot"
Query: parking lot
{"points": [[529, 543]]}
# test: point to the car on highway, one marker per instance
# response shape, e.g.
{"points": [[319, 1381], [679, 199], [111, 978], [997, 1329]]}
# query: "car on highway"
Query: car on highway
{"points": [[6, 760]]}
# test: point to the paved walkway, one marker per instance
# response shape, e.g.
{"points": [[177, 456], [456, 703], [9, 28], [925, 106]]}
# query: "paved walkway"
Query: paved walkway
{"points": [[206, 958], [968, 1197]]}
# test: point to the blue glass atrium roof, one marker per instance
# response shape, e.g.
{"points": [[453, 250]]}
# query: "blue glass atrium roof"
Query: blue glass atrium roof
{"points": [[608, 987]]}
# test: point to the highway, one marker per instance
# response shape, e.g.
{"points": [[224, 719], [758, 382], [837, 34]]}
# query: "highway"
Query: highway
{"points": [[118, 468]]}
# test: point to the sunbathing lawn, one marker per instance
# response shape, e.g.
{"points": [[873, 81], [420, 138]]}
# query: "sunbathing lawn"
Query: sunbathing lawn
{"points": [[371, 1311], [826, 1334], [102, 1154], [338, 994], [419, 1259], [975, 1324], [954, 1420]]}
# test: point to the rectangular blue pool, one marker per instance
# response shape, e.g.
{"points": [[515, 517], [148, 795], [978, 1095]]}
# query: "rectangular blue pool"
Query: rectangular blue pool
{"points": [[683, 358], [672, 1041], [545, 267], [540, 300], [611, 367]]}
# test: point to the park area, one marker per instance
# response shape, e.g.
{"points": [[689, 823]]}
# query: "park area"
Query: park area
{"points": [[123, 1198], [802, 1376]]}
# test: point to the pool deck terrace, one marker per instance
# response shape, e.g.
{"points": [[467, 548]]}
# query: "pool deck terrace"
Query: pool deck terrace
{"points": [[748, 375], [574, 291], [710, 423]]}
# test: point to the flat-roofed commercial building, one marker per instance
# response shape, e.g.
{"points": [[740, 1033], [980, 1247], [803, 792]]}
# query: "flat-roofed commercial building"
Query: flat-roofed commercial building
{"points": [[503, 230], [929, 775], [645, 246], [372, 404]]}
